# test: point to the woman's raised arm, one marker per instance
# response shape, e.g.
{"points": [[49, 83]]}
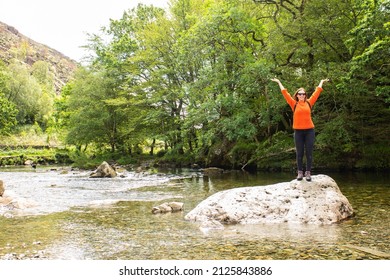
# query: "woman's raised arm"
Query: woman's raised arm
{"points": [[278, 82]]}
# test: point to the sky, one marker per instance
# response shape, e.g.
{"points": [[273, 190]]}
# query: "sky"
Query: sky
{"points": [[64, 24]]}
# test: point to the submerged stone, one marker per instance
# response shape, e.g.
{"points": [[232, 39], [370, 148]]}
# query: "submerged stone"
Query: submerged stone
{"points": [[168, 207], [317, 202]]}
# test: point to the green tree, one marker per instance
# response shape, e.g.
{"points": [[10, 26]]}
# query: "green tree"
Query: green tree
{"points": [[33, 99], [367, 85], [197, 79], [24, 91], [91, 119], [8, 109], [7, 115], [40, 70], [225, 43], [129, 75]]}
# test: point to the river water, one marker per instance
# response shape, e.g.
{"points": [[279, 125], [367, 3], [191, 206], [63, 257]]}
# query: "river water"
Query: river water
{"points": [[68, 215]]}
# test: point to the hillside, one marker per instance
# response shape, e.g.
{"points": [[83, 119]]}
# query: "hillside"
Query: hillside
{"points": [[13, 44]]}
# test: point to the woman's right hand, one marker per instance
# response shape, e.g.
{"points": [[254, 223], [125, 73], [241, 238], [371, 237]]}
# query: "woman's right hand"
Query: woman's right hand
{"points": [[279, 83]]}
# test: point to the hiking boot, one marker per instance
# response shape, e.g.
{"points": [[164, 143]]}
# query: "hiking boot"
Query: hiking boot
{"points": [[300, 175], [308, 176]]}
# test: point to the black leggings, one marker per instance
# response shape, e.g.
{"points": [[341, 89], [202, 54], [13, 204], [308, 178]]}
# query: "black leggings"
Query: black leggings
{"points": [[304, 143]]}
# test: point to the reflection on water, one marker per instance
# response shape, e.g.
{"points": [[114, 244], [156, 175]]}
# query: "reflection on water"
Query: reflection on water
{"points": [[75, 217]]}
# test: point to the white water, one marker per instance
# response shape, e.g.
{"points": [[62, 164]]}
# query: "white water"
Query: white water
{"points": [[47, 191]]}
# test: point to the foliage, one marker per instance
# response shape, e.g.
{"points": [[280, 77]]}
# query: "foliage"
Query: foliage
{"points": [[30, 90], [192, 84], [8, 114], [196, 78]]}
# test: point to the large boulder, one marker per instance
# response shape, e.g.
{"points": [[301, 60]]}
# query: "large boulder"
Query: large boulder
{"points": [[317, 202], [104, 171]]}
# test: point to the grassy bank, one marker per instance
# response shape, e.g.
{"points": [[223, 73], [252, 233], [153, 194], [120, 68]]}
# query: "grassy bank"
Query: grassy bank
{"points": [[29, 145]]}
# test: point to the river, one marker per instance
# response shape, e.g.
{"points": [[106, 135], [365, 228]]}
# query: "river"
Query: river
{"points": [[74, 217]]}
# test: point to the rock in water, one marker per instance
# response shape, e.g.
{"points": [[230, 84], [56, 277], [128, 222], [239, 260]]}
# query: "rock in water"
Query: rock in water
{"points": [[317, 202], [104, 171], [1, 188], [168, 207]]}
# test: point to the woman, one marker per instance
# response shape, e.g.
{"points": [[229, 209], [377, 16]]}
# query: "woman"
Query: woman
{"points": [[303, 126]]}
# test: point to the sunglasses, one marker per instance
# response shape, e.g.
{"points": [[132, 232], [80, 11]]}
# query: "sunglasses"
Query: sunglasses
{"points": [[300, 93]]}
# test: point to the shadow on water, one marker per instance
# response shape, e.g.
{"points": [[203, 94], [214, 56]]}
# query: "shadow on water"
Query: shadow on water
{"points": [[75, 217]]}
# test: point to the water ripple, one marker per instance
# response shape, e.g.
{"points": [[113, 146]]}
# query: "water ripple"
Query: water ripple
{"points": [[44, 192]]}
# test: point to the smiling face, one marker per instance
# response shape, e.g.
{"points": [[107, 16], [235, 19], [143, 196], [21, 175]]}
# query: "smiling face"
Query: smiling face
{"points": [[300, 95]]}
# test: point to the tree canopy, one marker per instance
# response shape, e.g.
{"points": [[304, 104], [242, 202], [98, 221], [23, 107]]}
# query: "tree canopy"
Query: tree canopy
{"points": [[193, 82]]}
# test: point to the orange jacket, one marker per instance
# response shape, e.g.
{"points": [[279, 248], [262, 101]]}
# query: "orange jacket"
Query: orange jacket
{"points": [[302, 113]]}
